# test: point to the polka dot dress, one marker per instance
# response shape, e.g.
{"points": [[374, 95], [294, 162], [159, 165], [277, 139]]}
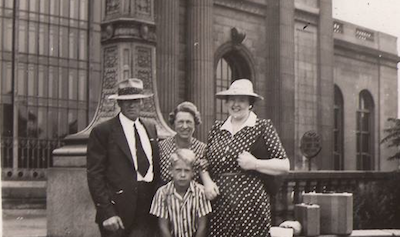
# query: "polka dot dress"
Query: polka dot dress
{"points": [[243, 206], [168, 146]]}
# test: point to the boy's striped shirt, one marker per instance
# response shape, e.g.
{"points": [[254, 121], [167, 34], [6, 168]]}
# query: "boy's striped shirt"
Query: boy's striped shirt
{"points": [[181, 212]]}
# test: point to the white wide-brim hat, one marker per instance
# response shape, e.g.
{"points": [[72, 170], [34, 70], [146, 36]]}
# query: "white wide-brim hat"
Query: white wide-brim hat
{"points": [[239, 87], [130, 89]]}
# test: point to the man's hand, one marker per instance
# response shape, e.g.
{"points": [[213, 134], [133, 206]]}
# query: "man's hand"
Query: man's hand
{"points": [[247, 161], [113, 223]]}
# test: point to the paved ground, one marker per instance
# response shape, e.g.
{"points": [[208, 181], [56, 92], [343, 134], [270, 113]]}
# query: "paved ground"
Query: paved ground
{"points": [[32, 223], [24, 223]]}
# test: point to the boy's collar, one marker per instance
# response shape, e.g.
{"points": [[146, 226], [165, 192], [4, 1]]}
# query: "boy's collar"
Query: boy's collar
{"points": [[171, 189]]}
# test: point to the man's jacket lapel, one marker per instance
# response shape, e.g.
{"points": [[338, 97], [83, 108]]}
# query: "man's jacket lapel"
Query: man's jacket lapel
{"points": [[120, 139]]}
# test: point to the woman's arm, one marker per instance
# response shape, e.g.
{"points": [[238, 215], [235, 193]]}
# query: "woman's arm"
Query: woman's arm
{"points": [[202, 228], [210, 188], [276, 164], [272, 166], [164, 227]]}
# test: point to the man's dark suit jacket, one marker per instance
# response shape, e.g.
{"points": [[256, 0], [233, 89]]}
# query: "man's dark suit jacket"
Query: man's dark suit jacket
{"points": [[111, 173]]}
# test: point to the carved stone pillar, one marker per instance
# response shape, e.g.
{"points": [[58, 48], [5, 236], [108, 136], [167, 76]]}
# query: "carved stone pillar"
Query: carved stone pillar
{"points": [[280, 71], [167, 21], [201, 61], [325, 85], [128, 50]]}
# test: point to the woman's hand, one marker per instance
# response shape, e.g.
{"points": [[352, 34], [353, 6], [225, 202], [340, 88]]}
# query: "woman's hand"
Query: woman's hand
{"points": [[211, 190], [247, 161], [203, 163]]}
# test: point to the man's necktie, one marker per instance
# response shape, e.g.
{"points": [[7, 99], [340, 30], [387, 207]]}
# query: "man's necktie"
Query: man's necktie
{"points": [[142, 161]]}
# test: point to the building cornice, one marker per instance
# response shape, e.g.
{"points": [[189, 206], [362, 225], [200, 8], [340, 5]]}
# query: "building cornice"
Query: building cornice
{"points": [[306, 14], [250, 7], [349, 49]]}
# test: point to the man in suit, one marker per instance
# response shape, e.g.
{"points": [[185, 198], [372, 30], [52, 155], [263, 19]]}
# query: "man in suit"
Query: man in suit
{"points": [[123, 167]]}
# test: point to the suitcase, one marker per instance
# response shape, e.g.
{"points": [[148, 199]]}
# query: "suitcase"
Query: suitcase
{"points": [[309, 217], [280, 232], [336, 211]]}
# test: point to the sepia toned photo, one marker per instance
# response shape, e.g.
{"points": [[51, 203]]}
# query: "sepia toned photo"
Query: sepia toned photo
{"points": [[199, 118]]}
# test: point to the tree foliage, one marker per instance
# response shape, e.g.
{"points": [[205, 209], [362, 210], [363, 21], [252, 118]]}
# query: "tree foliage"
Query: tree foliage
{"points": [[393, 137]]}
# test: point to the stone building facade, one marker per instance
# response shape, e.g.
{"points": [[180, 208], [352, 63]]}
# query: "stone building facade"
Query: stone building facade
{"points": [[315, 73], [299, 58], [365, 77]]}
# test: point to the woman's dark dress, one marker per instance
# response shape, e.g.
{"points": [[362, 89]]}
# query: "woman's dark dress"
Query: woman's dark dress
{"points": [[243, 206]]}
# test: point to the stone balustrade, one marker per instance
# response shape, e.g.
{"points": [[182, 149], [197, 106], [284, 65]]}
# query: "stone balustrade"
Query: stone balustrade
{"points": [[298, 182]]}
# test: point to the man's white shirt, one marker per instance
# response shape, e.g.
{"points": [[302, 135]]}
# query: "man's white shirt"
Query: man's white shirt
{"points": [[129, 132]]}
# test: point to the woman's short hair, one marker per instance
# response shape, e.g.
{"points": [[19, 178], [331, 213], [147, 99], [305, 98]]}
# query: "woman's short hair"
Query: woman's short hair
{"points": [[185, 155], [188, 107]]}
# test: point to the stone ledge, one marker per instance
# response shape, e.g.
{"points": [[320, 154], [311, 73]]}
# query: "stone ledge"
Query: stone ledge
{"points": [[370, 233], [23, 189], [23, 194]]}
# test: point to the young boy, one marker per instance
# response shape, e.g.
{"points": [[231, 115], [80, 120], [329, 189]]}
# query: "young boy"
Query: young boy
{"points": [[181, 205]]}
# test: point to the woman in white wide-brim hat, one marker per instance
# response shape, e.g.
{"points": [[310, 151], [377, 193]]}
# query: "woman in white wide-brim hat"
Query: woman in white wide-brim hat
{"points": [[233, 179]]}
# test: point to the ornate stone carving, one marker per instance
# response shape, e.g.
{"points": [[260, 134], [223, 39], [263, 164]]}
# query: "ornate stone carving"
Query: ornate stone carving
{"points": [[143, 70], [108, 32], [143, 7], [129, 29], [236, 36], [112, 6], [107, 108], [144, 31]]}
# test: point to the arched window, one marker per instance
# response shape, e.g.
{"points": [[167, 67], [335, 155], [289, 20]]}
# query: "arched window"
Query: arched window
{"points": [[231, 66], [223, 80], [338, 146], [364, 132]]}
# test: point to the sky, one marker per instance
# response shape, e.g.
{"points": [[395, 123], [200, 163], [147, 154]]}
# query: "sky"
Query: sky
{"points": [[380, 15]]}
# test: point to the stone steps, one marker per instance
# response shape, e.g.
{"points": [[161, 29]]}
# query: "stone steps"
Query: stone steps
{"points": [[24, 223], [23, 194]]}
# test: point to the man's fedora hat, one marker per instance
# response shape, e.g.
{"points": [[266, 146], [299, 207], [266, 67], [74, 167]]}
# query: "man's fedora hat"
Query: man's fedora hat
{"points": [[239, 87], [130, 89]]}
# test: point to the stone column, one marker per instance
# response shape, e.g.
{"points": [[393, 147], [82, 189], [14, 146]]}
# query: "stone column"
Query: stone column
{"points": [[201, 61], [167, 20], [128, 50], [280, 71], [325, 85]]}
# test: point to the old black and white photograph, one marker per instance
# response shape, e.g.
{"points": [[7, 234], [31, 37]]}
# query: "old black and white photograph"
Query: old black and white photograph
{"points": [[200, 118]]}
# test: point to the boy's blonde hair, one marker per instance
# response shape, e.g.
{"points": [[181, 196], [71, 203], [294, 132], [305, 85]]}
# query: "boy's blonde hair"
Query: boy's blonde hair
{"points": [[186, 155]]}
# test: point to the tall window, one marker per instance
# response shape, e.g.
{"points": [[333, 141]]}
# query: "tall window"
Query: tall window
{"points": [[231, 66], [338, 154], [44, 85], [364, 131], [223, 80]]}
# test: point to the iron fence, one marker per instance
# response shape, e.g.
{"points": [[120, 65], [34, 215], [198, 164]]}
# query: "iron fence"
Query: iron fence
{"points": [[26, 158]]}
